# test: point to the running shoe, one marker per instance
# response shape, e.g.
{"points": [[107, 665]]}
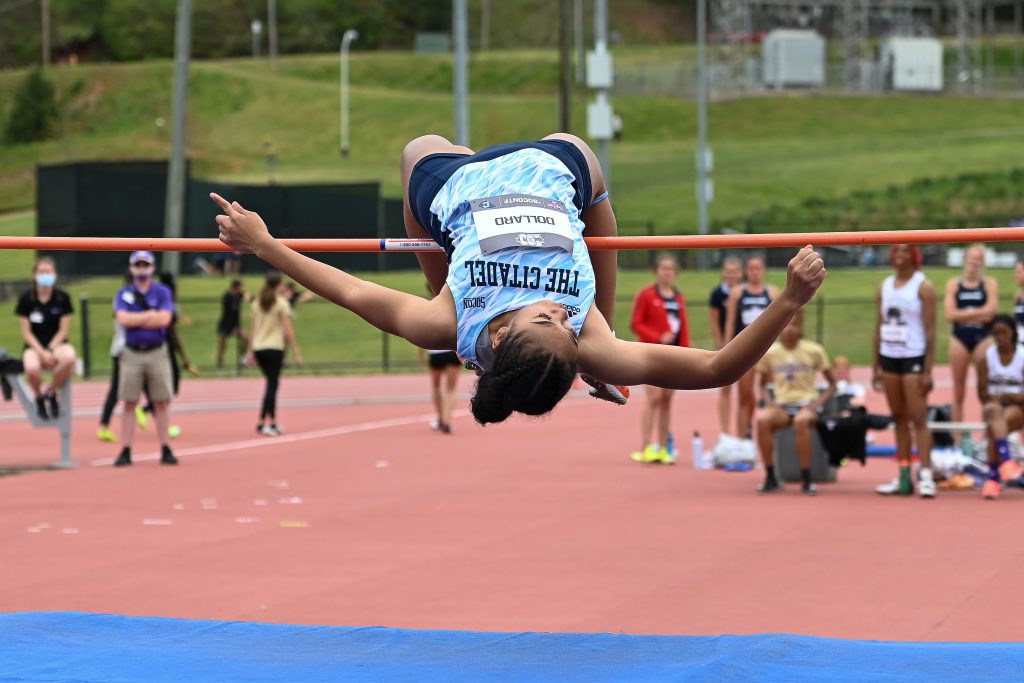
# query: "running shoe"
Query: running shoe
{"points": [[446, 428], [664, 457], [649, 454], [267, 430], [141, 418], [166, 457], [52, 406], [889, 488], [769, 486], [435, 424], [991, 489], [277, 429], [607, 392], [809, 489], [41, 408], [926, 484], [125, 458], [1009, 470], [106, 434], [173, 431]]}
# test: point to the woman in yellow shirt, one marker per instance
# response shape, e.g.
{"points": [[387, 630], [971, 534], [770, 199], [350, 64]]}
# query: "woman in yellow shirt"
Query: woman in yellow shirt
{"points": [[272, 333]]}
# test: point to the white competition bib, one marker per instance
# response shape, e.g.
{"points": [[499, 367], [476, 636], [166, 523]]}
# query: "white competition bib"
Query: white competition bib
{"points": [[894, 334], [749, 315], [522, 221]]}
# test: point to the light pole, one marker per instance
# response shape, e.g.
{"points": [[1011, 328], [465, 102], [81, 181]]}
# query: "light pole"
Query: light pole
{"points": [[704, 186], [257, 28], [346, 40]]}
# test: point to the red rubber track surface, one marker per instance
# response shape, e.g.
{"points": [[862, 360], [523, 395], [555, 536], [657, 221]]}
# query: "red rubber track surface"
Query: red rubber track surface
{"points": [[361, 515]]}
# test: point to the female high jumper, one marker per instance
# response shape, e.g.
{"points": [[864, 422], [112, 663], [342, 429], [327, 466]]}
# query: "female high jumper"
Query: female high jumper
{"points": [[516, 284]]}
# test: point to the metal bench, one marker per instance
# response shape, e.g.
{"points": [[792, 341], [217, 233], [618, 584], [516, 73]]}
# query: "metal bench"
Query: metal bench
{"points": [[10, 370]]}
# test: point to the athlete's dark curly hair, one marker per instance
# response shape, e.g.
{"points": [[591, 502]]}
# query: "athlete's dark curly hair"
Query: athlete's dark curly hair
{"points": [[524, 379]]}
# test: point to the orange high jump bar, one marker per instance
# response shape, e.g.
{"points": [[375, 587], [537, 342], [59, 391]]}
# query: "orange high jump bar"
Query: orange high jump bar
{"points": [[796, 239]]}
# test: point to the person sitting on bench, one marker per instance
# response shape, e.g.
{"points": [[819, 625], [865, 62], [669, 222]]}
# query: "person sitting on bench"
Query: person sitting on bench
{"points": [[45, 312]]}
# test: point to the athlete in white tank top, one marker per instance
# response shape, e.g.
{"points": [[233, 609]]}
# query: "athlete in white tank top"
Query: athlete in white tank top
{"points": [[902, 330], [1005, 379]]}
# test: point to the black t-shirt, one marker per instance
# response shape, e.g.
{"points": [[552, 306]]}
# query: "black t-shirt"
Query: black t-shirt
{"points": [[44, 319], [231, 309], [720, 300]]}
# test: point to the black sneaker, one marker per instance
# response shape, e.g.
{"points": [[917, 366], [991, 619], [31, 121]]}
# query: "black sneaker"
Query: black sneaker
{"points": [[125, 458], [810, 489], [41, 408], [166, 457], [769, 486], [52, 405]]}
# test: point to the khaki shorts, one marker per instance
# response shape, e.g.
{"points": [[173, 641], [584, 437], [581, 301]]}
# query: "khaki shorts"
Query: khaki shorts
{"points": [[152, 368]]}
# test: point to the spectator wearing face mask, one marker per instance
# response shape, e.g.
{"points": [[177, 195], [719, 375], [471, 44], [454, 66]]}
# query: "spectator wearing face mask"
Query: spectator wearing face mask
{"points": [[45, 312]]}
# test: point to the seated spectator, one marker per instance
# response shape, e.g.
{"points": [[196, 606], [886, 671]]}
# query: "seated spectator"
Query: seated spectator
{"points": [[45, 313], [851, 393], [791, 365], [1001, 392]]}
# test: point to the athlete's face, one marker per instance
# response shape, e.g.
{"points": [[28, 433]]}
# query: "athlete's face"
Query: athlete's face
{"points": [[731, 273], [901, 255], [755, 271], [791, 333], [974, 261], [1003, 336], [547, 325], [841, 369], [666, 272]]}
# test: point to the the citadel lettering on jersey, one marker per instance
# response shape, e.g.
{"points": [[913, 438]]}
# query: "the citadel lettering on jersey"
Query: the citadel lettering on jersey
{"points": [[499, 274]]}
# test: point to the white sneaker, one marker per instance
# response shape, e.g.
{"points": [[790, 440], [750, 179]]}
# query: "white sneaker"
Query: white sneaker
{"points": [[926, 484], [890, 488], [435, 424], [267, 430]]}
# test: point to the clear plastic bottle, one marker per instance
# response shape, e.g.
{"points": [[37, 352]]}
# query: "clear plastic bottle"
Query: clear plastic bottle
{"points": [[698, 451]]}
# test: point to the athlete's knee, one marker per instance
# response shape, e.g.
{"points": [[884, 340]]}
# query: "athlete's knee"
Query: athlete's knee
{"points": [[991, 411], [417, 147]]}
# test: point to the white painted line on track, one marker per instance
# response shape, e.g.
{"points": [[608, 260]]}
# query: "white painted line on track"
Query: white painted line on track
{"points": [[287, 438]]}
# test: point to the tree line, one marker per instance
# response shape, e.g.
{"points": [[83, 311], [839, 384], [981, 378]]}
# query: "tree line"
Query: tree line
{"points": [[130, 30]]}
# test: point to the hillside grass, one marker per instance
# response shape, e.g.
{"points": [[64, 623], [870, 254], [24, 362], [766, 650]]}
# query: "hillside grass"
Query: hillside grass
{"points": [[334, 339], [769, 149]]}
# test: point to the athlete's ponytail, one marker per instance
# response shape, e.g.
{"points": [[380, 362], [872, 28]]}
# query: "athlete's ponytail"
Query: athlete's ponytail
{"points": [[523, 379]]}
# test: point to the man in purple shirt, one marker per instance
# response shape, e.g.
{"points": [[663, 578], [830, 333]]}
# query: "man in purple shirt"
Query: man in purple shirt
{"points": [[144, 308]]}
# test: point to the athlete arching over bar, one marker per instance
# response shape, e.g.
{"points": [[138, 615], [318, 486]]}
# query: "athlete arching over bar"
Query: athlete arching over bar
{"points": [[516, 284]]}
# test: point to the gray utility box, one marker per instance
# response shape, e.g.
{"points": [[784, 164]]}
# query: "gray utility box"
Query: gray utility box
{"points": [[913, 64], [793, 59]]}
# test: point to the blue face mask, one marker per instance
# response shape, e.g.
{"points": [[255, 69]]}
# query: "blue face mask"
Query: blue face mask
{"points": [[46, 279]]}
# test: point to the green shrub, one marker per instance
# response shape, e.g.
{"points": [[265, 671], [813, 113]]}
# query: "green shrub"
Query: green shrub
{"points": [[34, 112]]}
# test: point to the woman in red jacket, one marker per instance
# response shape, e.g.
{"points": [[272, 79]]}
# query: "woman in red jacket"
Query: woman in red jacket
{"points": [[659, 317]]}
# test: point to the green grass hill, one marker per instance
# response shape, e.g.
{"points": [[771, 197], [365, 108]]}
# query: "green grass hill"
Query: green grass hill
{"points": [[772, 152]]}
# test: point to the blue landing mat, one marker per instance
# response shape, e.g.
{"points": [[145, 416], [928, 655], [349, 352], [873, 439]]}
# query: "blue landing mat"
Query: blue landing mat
{"points": [[71, 646]]}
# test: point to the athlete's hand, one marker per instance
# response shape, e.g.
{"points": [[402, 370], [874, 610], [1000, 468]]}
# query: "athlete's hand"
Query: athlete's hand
{"points": [[804, 275], [877, 383], [244, 231]]}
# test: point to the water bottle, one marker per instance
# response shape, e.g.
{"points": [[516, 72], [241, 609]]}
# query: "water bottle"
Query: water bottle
{"points": [[670, 445], [698, 451]]}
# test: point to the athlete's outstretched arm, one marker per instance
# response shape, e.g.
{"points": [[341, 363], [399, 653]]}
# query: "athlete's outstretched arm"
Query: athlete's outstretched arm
{"points": [[428, 324], [632, 363]]}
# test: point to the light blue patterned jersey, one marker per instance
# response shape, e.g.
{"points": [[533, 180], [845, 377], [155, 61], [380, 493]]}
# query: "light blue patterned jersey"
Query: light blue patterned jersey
{"points": [[486, 285]]}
